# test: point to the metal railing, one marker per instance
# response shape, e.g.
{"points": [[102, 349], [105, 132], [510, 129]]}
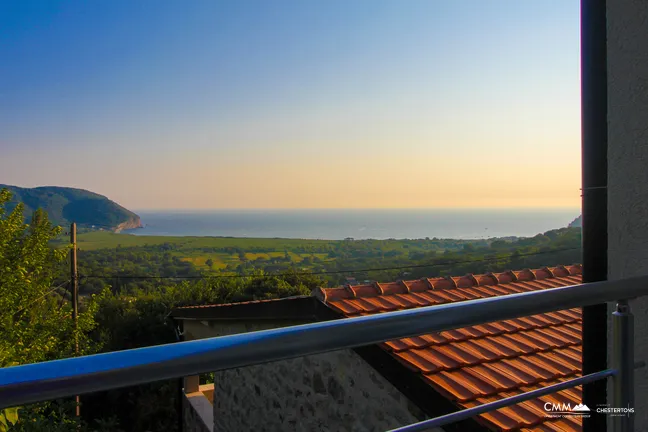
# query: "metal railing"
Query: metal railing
{"points": [[30, 383]]}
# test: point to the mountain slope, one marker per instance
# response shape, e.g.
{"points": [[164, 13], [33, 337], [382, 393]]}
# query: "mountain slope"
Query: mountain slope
{"points": [[65, 205], [576, 223]]}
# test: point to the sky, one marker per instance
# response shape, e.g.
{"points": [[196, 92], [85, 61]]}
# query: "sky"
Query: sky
{"points": [[294, 104]]}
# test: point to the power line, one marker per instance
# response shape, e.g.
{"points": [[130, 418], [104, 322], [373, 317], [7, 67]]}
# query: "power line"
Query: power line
{"points": [[48, 292], [438, 264]]}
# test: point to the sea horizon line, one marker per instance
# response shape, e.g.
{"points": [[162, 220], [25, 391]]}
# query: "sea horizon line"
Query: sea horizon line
{"points": [[360, 209]]}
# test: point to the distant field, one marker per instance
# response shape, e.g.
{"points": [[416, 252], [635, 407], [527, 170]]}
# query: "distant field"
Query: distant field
{"points": [[103, 252], [220, 261], [263, 252], [105, 240], [191, 249]]}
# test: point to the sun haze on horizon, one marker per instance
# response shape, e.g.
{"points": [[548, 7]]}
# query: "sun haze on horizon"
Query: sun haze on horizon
{"points": [[289, 104]]}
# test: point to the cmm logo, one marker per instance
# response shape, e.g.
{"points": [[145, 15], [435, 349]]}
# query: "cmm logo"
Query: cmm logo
{"points": [[579, 409]]}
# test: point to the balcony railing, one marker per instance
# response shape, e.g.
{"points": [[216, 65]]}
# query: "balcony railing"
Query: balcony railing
{"points": [[62, 378]]}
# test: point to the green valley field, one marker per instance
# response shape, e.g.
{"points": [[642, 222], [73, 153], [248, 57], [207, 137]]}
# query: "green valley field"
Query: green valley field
{"points": [[110, 259], [223, 251], [106, 239]]}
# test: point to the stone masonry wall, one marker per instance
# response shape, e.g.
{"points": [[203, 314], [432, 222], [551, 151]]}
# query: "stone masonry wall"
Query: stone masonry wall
{"points": [[334, 391], [627, 28]]}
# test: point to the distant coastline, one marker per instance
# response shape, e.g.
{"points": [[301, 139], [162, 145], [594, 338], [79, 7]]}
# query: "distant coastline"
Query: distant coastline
{"points": [[356, 224]]}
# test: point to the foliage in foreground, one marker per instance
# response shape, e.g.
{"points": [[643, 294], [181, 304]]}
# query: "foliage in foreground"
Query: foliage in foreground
{"points": [[35, 320], [55, 417]]}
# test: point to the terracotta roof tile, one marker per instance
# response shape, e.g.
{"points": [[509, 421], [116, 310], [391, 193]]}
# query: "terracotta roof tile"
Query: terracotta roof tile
{"points": [[483, 363], [418, 285], [393, 288]]}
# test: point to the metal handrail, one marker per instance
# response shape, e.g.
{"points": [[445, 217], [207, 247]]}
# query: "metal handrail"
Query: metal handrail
{"points": [[61, 378]]}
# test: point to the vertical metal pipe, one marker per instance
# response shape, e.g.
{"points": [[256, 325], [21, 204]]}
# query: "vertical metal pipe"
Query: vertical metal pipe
{"points": [[74, 277], [623, 362], [594, 186], [180, 394], [74, 280]]}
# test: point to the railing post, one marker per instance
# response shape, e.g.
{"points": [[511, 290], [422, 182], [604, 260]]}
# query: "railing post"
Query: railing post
{"points": [[623, 362]]}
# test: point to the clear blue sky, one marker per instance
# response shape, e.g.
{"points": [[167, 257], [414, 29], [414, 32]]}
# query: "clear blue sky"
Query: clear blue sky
{"points": [[338, 103]]}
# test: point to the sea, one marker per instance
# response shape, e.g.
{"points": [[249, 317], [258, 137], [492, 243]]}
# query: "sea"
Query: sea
{"points": [[356, 224]]}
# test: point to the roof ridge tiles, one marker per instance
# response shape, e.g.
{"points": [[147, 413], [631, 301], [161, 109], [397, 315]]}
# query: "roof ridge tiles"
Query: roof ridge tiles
{"points": [[550, 271], [564, 270], [513, 275], [494, 277], [469, 280], [426, 282], [452, 281], [472, 278], [379, 288], [578, 269], [406, 285], [525, 275]]}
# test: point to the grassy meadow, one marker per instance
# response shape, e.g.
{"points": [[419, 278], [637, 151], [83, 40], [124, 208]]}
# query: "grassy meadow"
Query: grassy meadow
{"points": [[106, 240], [232, 251], [108, 255], [198, 250]]}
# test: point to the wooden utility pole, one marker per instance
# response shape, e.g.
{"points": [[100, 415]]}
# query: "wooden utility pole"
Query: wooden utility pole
{"points": [[74, 280]]}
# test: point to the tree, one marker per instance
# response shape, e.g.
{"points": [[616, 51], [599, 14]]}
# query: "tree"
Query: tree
{"points": [[262, 287], [35, 319], [468, 247], [499, 244], [210, 263]]}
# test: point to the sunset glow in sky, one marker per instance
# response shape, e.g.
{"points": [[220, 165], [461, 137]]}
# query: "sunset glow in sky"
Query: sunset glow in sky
{"points": [[294, 104]]}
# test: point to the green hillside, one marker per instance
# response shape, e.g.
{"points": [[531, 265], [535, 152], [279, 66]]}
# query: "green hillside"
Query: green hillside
{"points": [[576, 223], [65, 205]]}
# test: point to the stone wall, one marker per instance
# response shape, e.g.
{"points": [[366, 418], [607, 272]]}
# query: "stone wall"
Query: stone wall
{"points": [[334, 391], [627, 22]]}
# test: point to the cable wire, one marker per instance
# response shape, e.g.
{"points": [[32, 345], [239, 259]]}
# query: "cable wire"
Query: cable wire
{"points": [[48, 292]]}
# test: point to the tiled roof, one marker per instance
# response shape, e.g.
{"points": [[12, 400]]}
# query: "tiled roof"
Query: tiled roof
{"points": [[483, 363]]}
